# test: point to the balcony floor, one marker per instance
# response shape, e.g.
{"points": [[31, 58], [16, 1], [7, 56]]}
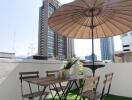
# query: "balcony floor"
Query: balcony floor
{"points": [[72, 95]]}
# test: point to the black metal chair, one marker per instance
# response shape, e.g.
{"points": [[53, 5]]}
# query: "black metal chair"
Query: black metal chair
{"points": [[56, 87], [89, 88], [107, 85], [31, 95], [93, 94]]}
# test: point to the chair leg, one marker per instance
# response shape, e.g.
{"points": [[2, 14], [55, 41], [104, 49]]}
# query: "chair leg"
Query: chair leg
{"points": [[51, 91], [31, 99], [83, 98]]}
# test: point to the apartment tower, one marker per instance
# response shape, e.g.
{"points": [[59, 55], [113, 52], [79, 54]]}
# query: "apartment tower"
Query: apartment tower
{"points": [[127, 41], [51, 44]]}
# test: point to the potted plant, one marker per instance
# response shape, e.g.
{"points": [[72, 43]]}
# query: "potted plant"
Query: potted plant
{"points": [[68, 65], [70, 62]]}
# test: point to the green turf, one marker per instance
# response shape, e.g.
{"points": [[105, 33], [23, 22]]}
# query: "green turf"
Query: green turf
{"points": [[114, 97], [72, 96]]}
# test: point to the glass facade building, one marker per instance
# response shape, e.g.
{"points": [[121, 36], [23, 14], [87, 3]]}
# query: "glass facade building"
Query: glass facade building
{"points": [[107, 48], [51, 44]]}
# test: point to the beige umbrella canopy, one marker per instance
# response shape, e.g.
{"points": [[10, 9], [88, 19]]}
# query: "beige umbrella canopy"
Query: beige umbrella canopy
{"points": [[110, 18], [89, 19]]}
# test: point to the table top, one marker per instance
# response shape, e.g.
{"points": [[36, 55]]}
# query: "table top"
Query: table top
{"points": [[96, 66], [45, 81]]}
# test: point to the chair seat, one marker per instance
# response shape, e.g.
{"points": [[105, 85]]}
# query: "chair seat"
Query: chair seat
{"points": [[35, 94], [92, 95]]}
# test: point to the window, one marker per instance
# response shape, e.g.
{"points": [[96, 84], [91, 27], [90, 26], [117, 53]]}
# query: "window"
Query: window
{"points": [[126, 50], [125, 45]]}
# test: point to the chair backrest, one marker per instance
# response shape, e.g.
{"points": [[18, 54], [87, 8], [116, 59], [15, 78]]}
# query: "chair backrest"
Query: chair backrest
{"points": [[90, 83], [107, 82], [26, 75], [51, 73]]}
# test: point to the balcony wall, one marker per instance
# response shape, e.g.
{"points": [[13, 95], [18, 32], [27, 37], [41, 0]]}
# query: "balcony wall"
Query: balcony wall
{"points": [[10, 84]]}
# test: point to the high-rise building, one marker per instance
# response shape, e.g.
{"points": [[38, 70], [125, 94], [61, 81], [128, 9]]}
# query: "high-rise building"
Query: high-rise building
{"points": [[127, 41], [51, 44], [90, 57], [107, 48]]}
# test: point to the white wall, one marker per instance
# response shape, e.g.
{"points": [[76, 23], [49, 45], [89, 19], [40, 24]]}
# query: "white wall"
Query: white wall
{"points": [[122, 80], [10, 84]]}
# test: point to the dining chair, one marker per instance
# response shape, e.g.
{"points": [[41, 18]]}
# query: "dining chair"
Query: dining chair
{"points": [[58, 87], [89, 87], [107, 85], [31, 95]]}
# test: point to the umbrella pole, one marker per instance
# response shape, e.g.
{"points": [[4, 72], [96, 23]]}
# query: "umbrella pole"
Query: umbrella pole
{"points": [[92, 29]]}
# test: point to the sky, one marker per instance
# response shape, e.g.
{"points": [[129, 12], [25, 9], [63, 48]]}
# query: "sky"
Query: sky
{"points": [[19, 29]]}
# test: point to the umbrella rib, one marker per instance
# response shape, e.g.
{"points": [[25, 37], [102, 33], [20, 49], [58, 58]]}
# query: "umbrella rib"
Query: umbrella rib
{"points": [[116, 15], [115, 3], [103, 30], [71, 13], [118, 9], [67, 26], [85, 3], [75, 6], [105, 23], [114, 24], [118, 21], [86, 24], [56, 24], [95, 3], [107, 26], [117, 12], [62, 26], [112, 3], [71, 10], [78, 28], [95, 22], [115, 6], [67, 18]]}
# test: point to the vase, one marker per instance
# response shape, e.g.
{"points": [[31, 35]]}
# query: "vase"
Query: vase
{"points": [[67, 73], [62, 73]]}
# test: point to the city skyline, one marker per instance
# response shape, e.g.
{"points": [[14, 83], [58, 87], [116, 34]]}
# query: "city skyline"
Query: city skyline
{"points": [[19, 29], [107, 48]]}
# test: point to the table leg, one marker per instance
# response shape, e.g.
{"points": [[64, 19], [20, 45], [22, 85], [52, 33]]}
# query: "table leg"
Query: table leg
{"points": [[64, 91], [51, 91], [57, 93], [68, 89], [77, 89], [40, 98]]}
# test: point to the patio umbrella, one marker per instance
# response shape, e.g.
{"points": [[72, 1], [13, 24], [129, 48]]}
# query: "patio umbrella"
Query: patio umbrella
{"points": [[90, 19]]}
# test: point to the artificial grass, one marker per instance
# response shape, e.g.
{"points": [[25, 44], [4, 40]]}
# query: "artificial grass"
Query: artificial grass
{"points": [[114, 97], [72, 95]]}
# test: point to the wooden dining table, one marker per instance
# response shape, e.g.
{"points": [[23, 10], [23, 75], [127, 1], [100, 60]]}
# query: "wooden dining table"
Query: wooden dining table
{"points": [[51, 80]]}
